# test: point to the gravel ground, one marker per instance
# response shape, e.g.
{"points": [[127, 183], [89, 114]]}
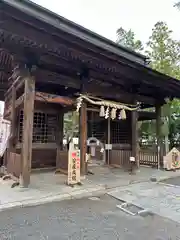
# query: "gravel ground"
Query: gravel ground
{"points": [[84, 219]]}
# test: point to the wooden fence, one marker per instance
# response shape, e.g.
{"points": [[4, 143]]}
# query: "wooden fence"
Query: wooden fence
{"points": [[148, 157], [121, 158]]}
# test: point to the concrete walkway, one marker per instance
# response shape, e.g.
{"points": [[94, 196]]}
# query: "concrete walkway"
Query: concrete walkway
{"points": [[156, 198], [48, 187]]}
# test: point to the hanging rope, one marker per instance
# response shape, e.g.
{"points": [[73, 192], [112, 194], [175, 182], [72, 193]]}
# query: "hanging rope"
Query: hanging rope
{"points": [[107, 107], [107, 103]]}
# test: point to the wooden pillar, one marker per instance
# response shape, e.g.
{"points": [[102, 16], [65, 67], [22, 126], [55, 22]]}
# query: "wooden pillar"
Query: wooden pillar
{"points": [[83, 137], [108, 139], [134, 127], [159, 135], [84, 77], [26, 151], [13, 120], [11, 143], [59, 136]]}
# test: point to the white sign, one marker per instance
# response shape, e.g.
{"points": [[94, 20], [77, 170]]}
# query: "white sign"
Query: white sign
{"points": [[132, 159], [108, 146], [73, 165]]}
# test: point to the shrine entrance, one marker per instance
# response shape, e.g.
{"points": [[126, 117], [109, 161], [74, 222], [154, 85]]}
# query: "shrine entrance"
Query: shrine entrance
{"points": [[41, 63], [109, 123]]}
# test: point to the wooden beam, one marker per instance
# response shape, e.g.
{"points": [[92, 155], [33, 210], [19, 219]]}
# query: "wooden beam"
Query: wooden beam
{"points": [[39, 146], [144, 115], [91, 109], [29, 95], [92, 88], [120, 81]]}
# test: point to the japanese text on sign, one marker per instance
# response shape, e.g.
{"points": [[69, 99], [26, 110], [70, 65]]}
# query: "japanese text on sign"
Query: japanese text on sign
{"points": [[73, 166]]}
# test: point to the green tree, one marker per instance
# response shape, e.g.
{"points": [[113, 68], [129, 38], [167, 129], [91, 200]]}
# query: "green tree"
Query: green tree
{"points": [[71, 125], [127, 39], [164, 53]]}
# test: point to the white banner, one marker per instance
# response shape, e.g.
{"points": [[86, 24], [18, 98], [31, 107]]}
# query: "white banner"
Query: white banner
{"points": [[4, 135]]}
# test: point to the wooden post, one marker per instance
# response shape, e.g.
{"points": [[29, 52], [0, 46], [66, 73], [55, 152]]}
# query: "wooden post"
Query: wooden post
{"points": [[26, 151], [13, 120], [59, 136], [109, 139], [84, 77], [159, 136], [11, 143], [83, 137], [134, 126]]}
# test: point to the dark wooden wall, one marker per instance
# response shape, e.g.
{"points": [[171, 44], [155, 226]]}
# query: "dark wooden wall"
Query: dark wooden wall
{"points": [[97, 127], [121, 131], [45, 134]]}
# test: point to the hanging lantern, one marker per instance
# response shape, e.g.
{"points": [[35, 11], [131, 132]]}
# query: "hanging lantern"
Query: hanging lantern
{"points": [[122, 114], [102, 112], [107, 113], [113, 113]]}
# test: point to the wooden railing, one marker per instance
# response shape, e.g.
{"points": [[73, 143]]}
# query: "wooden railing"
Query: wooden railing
{"points": [[148, 157], [121, 158]]}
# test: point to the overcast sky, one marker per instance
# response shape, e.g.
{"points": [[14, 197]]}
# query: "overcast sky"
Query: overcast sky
{"points": [[105, 16]]}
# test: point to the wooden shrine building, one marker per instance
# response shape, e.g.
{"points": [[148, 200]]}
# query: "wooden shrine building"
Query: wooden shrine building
{"points": [[46, 63]]}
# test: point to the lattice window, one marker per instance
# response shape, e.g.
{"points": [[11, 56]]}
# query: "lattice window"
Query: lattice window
{"points": [[121, 131], [97, 127], [44, 127]]}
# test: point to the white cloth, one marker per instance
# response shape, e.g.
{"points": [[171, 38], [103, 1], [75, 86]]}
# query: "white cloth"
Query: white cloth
{"points": [[4, 135]]}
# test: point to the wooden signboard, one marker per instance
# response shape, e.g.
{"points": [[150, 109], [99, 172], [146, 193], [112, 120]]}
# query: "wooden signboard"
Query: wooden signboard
{"points": [[73, 165], [172, 160]]}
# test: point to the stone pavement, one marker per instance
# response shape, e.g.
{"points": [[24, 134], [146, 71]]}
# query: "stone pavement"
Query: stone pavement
{"points": [[83, 219], [157, 198], [48, 187]]}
